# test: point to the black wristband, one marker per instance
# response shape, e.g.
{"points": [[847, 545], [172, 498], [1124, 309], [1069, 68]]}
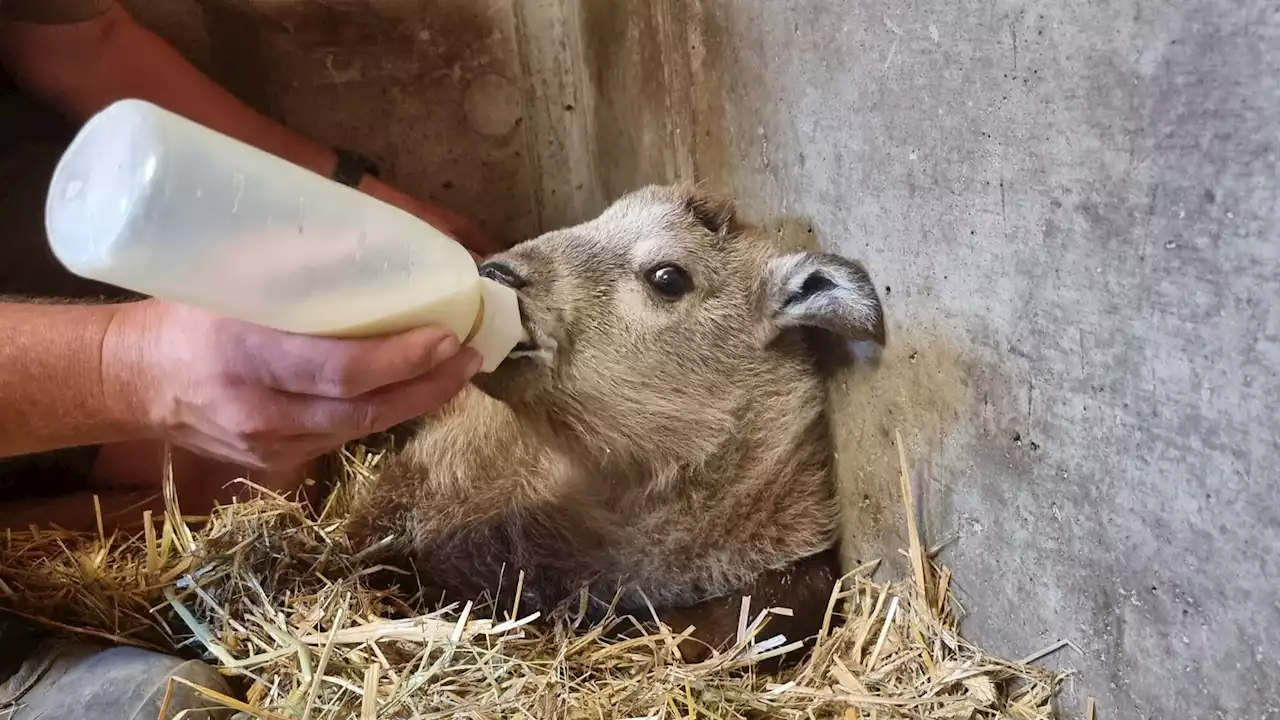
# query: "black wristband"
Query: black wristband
{"points": [[352, 167]]}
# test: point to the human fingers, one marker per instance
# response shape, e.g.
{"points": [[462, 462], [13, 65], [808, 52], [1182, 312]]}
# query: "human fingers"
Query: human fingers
{"points": [[350, 419], [342, 368]]}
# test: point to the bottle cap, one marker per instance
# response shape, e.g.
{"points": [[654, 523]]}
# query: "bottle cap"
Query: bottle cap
{"points": [[500, 327]]}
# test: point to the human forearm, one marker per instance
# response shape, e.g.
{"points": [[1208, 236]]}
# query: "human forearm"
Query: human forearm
{"points": [[82, 68], [55, 390], [75, 375]]}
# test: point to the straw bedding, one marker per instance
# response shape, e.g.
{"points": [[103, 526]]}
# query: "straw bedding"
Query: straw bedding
{"points": [[269, 591]]}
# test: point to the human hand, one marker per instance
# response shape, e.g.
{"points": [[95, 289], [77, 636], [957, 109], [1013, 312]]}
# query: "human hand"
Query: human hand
{"points": [[264, 399]]}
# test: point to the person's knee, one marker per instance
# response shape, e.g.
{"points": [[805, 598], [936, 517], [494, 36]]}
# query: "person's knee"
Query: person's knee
{"points": [[79, 681]]}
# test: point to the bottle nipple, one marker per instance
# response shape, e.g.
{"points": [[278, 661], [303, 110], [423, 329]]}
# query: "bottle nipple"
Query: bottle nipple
{"points": [[498, 328]]}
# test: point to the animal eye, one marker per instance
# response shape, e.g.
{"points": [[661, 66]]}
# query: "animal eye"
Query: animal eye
{"points": [[669, 281]]}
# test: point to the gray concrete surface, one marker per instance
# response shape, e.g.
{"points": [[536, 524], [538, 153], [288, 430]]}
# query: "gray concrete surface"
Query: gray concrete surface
{"points": [[1072, 209]]}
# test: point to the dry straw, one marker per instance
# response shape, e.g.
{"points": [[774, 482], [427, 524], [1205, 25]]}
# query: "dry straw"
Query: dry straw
{"points": [[270, 592]]}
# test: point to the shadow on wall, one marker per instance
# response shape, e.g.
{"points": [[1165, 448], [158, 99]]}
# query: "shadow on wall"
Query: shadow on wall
{"points": [[913, 386], [658, 70], [916, 390]]}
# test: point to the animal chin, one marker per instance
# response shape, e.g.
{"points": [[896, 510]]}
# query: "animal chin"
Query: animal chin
{"points": [[538, 353], [534, 346], [524, 348]]}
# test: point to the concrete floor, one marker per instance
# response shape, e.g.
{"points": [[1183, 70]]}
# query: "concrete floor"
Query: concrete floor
{"points": [[1072, 209]]}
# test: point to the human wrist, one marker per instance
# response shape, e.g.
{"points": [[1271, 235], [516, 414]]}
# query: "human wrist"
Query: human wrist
{"points": [[60, 379], [126, 393]]}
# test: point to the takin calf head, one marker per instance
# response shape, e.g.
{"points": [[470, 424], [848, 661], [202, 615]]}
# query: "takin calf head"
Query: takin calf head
{"points": [[661, 436]]}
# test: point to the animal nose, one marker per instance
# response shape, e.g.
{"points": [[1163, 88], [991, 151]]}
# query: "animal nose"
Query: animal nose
{"points": [[502, 273]]}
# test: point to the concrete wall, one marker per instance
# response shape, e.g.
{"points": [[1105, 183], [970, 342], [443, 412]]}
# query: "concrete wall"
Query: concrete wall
{"points": [[1071, 207]]}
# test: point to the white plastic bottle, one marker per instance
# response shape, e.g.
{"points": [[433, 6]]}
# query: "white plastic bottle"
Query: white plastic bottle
{"points": [[149, 201]]}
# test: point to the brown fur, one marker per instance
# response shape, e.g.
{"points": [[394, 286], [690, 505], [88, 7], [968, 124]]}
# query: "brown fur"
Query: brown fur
{"points": [[676, 451]]}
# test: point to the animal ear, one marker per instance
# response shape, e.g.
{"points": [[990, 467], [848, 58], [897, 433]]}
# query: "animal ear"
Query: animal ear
{"points": [[711, 211], [827, 291]]}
